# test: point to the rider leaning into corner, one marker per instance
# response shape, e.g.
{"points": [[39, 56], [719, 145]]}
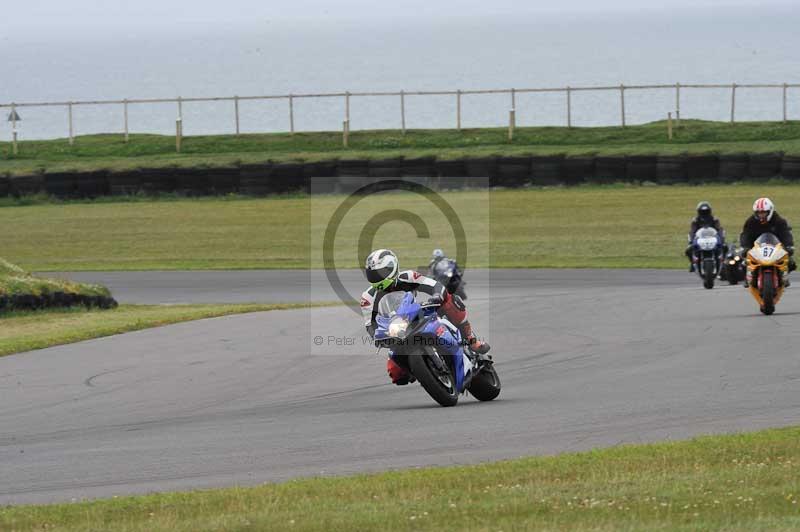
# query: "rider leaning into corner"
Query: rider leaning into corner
{"points": [[766, 220], [383, 273], [704, 218]]}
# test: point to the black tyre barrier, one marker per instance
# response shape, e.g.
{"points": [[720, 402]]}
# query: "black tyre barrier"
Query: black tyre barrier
{"points": [[92, 184], [287, 177], [608, 170], [385, 168], [578, 169], [483, 167], [253, 179], [790, 167], [640, 168], [733, 167], [353, 174], [5, 187], [764, 165], [702, 168], [124, 183], [455, 168], [224, 180], [55, 300], [547, 170], [158, 180], [61, 185], [26, 185], [348, 175], [512, 172], [418, 167], [671, 169]]}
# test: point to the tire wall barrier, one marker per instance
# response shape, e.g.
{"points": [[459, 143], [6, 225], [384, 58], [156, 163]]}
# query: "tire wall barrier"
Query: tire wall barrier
{"points": [[347, 175], [54, 300]]}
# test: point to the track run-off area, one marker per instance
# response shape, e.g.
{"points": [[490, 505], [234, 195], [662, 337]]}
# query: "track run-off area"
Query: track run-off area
{"points": [[587, 358]]}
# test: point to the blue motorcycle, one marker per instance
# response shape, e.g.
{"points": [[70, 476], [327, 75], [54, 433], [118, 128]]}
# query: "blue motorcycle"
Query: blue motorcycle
{"points": [[707, 254], [431, 349]]}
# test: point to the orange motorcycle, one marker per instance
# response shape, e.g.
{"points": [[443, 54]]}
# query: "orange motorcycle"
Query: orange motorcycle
{"points": [[767, 265]]}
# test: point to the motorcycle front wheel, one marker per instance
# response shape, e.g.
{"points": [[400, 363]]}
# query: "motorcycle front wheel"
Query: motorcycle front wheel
{"points": [[433, 373], [485, 386], [768, 293]]}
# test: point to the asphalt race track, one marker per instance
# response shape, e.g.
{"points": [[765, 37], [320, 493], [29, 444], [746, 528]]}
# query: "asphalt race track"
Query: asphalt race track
{"points": [[587, 358]]}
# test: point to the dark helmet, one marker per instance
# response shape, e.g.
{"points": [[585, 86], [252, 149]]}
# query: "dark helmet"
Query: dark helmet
{"points": [[704, 209]]}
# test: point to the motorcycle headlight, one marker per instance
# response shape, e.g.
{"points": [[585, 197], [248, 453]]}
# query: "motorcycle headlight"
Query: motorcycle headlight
{"points": [[732, 263], [737, 257], [397, 326]]}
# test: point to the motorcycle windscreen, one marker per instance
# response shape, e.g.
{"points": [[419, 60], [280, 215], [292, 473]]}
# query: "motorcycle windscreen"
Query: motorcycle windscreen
{"points": [[706, 232], [768, 239]]}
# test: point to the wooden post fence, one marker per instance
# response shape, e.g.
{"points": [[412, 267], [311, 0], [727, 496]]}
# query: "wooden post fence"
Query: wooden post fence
{"points": [[125, 112], [569, 107], [622, 103], [403, 112], [677, 104], [733, 102], [71, 129], [236, 112], [458, 109]]}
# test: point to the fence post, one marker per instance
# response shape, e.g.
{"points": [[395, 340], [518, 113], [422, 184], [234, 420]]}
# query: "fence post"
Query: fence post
{"points": [[669, 126], [71, 129], [345, 133], [512, 121], [14, 128], [569, 107], [236, 111], [291, 114], [733, 102], [178, 133], [622, 103], [677, 104], [347, 107], [458, 109], [513, 98], [125, 112], [403, 111], [180, 107], [784, 102]]}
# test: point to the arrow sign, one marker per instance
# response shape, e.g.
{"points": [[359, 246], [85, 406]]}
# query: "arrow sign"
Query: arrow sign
{"points": [[13, 116]]}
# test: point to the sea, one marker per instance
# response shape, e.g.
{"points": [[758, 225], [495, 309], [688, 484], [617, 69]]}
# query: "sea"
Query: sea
{"points": [[731, 45]]}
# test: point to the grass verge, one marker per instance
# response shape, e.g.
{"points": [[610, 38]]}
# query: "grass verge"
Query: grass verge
{"points": [[19, 289], [741, 482], [25, 331], [594, 226], [110, 152]]}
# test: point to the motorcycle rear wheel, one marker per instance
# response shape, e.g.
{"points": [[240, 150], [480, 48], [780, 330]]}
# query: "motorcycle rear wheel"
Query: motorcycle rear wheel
{"points": [[485, 386], [439, 384]]}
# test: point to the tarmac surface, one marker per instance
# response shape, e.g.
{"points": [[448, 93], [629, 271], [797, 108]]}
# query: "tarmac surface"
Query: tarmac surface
{"points": [[587, 358]]}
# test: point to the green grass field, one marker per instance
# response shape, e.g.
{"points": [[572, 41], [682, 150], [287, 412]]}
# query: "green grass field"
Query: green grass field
{"points": [[111, 152], [746, 482], [606, 227], [25, 331]]}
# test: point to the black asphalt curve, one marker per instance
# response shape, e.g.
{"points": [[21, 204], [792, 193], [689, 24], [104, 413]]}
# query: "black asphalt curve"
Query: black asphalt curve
{"points": [[587, 358]]}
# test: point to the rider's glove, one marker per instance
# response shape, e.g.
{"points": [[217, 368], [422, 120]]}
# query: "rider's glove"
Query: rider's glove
{"points": [[435, 300]]}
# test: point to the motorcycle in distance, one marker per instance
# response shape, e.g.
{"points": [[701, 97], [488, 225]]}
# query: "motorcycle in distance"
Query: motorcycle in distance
{"points": [[733, 267], [430, 348], [446, 271], [767, 264], [707, 254]]}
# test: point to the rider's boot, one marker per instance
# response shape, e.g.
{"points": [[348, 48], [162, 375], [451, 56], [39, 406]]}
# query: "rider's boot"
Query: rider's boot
{"points": [[474, 343]]}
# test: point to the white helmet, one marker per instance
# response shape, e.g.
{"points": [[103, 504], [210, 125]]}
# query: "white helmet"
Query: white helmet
{"points": [[382, 268], [438, 254], [763, 205]]}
